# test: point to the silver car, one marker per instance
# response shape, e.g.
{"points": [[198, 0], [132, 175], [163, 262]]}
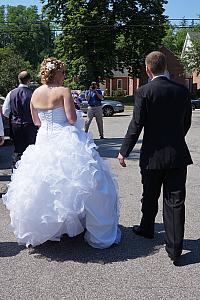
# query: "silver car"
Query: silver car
{"points": [[109, 107]]}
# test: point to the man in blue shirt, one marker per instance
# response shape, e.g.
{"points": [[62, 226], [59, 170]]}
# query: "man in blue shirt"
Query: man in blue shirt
{"points": [[94, 97]]}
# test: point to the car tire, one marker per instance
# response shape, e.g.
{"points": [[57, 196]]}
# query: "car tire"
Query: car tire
{"points": [[108, 111], [193, 107]]}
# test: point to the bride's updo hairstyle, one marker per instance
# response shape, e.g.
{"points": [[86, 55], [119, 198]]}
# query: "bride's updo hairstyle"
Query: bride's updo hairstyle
{"points": [[49, 68]]}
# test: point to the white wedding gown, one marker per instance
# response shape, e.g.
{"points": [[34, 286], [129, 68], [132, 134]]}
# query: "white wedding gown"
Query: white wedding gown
{"points": [[61, 186]]}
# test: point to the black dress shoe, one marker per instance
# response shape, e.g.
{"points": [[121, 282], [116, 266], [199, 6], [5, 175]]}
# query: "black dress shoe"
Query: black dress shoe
{"points": [[174, 258], [137, 230]]}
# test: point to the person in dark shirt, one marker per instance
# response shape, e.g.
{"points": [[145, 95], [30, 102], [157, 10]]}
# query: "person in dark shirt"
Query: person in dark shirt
{"points": [[77, 100], [17, 107]]}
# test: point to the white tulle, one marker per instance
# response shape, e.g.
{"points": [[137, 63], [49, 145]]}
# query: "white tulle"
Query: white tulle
{"points": [[62, 185]]}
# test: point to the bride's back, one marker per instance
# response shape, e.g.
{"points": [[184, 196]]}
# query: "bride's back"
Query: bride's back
{"points": [[48, 97], [52, 94]]}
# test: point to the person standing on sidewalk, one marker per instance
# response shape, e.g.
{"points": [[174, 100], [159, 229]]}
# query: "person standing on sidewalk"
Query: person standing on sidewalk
{"points": [[94, 98], [17, 104]]}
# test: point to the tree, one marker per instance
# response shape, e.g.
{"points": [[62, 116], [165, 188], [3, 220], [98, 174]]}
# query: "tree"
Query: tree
{"points": [[140, 30], [10, 65], [26, 33], [175, 37], [87, 41], [99, 36], [191, 59], [169, 40]]}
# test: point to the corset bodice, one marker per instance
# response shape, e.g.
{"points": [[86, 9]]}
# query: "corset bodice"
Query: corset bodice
{"points": [[53, 119]]}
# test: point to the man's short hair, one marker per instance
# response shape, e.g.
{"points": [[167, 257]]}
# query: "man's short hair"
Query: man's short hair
{"points": [[156, 61], [24, 77]]}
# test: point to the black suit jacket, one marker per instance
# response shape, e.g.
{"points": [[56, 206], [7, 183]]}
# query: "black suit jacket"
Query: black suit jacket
{"points": [[163, 108]]}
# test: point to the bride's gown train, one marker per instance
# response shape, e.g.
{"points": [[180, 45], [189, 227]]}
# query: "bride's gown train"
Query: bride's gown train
{"points": [[61, 186]]}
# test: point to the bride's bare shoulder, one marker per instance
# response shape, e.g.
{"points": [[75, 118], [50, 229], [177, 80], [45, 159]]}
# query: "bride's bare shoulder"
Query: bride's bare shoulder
{"points": [[39, 89], [37, 94], [63, 88], [66, 90]]}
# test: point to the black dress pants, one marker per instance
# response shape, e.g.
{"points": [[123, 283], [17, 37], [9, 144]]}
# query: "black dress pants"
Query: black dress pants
{"points": [[174, 192], [23, 136]]}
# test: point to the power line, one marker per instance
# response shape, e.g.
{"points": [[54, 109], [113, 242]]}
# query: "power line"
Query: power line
{"points": [[104, 27], [47, 22]]}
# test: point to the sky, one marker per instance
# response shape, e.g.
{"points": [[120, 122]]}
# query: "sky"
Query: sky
{"points": [[175, 9]]}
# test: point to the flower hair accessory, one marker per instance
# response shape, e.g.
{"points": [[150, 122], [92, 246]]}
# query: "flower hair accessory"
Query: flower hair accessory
{"points": [[50, 66]]}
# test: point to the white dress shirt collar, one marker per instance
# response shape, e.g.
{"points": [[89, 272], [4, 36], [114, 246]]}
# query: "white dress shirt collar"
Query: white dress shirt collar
{"points": [[23, 85], [161, 75]]}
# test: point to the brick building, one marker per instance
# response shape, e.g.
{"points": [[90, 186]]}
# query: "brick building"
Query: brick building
{"points": [[126, 85]]}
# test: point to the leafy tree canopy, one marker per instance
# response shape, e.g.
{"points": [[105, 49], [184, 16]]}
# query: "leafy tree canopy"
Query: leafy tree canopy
{"points": [[99, 36], [26, 32], [10, 65]]}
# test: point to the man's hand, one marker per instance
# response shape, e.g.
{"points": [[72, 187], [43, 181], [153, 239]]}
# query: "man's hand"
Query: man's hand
{"points": [[1, 140], [121, 160]]}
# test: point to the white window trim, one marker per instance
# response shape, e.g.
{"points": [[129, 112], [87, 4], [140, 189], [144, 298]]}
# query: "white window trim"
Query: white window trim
{"points": [[119, 80]]}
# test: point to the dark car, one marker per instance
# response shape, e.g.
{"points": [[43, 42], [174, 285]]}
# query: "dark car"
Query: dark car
{"points": [[109, 107], [195, 103]]}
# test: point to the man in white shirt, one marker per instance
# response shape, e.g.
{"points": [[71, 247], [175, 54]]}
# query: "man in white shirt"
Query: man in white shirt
{"points": [[17, 104], [1, 129]]}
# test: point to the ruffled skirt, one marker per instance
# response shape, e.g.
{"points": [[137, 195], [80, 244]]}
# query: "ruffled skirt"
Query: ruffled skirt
{"points": [[62, 186]]}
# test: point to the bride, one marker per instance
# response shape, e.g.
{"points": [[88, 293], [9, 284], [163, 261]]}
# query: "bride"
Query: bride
{"points": [[61, 185]]}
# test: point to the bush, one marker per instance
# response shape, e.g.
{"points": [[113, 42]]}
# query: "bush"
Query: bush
{"points": [[196, 95], [126, 100], [118, 93]]}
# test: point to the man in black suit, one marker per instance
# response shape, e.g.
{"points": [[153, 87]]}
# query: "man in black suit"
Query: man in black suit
{"points": [[163, 108]]}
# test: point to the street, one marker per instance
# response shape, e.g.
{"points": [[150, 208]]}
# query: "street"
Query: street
{"points": [[136, 269]]}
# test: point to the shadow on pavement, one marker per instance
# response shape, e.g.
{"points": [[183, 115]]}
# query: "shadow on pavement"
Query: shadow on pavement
{"points": [[8, 249], [193, 255], [131, 247], [110, 148], [6, 152], [76, 249]]}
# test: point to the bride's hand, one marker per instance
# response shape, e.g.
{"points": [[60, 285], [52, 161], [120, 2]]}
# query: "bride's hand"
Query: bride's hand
{"points": [[121, 160]]}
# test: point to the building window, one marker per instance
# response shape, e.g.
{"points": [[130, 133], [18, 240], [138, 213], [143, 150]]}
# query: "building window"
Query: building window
{"points": [[119, 84]]}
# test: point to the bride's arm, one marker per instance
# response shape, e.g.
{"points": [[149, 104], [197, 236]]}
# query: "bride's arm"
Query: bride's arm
{"points": [[34, 115], [69, 106]]}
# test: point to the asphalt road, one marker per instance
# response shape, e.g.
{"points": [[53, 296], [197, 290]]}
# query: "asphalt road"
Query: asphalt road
{"points": [[136, 269]]}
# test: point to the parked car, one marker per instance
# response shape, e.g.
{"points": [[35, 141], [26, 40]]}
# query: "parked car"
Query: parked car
{"points": [[195, 103], [109, 107]]}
